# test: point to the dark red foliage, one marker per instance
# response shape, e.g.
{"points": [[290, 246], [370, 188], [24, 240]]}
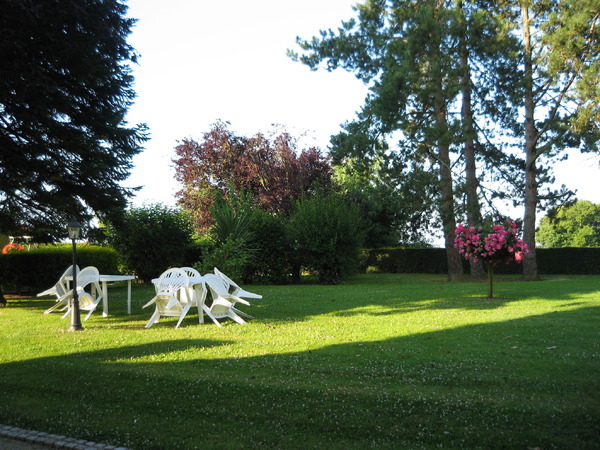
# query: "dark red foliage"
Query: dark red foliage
{"points": [[270, 170]]}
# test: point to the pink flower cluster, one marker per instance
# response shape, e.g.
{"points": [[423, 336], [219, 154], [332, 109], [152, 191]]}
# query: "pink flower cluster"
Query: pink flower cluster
{"points": [[495, 245]]}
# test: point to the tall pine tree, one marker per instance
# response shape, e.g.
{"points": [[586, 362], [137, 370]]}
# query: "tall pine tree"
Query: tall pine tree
{"points": [[65, 87], [560, 95]]}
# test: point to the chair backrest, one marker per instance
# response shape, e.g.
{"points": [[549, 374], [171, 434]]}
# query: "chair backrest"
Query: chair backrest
{"points": [[191, 272], [87, 275], [171, 281], [215, 284], [220, 305], [69, 272], [229, 283], [62, 285]]}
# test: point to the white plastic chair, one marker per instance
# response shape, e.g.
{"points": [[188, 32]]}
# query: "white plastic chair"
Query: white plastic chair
{"points": [[222, 301], [196, 291], [59, 290], [234, 289], [172, 285], [88, 301]]}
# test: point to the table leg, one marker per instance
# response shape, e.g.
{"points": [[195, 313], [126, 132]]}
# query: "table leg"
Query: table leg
{"points": [[128, 296], [104, 300]]}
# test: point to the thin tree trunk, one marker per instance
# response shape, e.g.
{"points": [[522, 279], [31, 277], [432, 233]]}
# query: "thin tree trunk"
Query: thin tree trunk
{"points": [[530, 269], [455, 268], [473, 207], [490, 273]]}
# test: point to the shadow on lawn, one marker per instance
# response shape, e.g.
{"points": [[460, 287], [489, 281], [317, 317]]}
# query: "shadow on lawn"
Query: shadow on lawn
{"points": [[396, 293], [406, 293], [519, 383]]}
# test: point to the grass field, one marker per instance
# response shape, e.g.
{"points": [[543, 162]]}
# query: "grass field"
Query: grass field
{"points": [[383, 361]]}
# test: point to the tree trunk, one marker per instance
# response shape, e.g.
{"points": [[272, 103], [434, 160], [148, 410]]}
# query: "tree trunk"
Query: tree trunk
{"points": [[530, 269], [490, 273], [473, 207], [455, 268]]}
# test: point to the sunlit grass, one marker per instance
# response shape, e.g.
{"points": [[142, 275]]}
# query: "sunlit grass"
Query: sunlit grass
{"points": [[386, 361]]}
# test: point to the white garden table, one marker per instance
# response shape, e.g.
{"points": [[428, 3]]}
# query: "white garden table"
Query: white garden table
{"points": [[104, 280]]}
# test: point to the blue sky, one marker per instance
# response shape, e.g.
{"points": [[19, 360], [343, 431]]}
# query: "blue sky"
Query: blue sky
{"points": [[205, 60]]}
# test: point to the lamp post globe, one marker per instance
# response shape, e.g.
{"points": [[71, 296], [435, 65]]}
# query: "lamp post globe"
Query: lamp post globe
{"points": [[74, 227]]}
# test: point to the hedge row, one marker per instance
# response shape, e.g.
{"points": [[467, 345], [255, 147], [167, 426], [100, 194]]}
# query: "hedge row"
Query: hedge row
{"points": [[39, 269], [551, 261]]}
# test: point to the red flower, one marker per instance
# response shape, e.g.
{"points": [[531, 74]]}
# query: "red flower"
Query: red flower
{"points": [[9, 248]]}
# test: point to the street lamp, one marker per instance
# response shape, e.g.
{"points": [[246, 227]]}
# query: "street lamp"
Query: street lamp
{"points": [[73, 228]]}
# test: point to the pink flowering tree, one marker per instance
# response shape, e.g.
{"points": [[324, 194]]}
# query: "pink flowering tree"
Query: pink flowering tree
{"points": [[494, 245]]}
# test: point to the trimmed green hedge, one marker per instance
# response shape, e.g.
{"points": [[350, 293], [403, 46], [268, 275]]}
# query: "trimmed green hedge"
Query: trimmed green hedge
{"points": [[39, 269], [551, 261]]}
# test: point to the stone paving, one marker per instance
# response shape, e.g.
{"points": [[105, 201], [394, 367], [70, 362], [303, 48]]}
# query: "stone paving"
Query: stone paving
{"points": [[18, 438]]}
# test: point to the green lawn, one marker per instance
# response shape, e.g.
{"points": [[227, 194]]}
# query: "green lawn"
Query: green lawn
{"points": [[383, 361]]}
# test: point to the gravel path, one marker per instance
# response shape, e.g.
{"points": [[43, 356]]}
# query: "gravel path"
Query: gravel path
{"points": [[14, 438]]}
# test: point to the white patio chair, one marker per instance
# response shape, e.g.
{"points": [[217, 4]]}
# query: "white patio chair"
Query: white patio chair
{"points": [[59, 290], [196, 291], [223, 302], [234, 289], [171, 299], [88, 301]]}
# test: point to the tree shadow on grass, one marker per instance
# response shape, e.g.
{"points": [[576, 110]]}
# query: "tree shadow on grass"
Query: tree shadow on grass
{"points": [[378, 295], [528, 382]]}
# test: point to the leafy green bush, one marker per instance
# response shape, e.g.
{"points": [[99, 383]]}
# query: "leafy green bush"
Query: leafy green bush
{"points": [[152, 238], [232, 219], [270, 263], [327, 234], [230, 257], [228, 241]]}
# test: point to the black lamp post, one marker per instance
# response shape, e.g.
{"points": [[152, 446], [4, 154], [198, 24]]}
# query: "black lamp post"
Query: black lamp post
{"points": [[74, 227]]}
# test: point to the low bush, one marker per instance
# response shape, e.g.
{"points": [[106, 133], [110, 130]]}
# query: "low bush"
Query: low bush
{"points": [[327, 235], [573, 261], [152, 238], [270, 262], [38, 269], [230, 257]]}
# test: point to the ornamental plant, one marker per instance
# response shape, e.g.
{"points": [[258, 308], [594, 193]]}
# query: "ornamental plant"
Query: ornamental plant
{"points": [[493, 245], [11, 248]]}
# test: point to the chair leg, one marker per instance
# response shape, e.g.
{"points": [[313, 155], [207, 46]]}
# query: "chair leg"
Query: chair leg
{"points": [[183, 314], [232, 315], [67, 313], [209, 314], [242, 313], [57, 305], [153, 319], [90, 313]]}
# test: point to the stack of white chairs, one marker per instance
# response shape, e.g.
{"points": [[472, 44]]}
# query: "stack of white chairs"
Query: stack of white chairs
{"points": [[176, 295], [88, 301], [223, 302], [59, 290], [234, 289], [172, 296]]}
